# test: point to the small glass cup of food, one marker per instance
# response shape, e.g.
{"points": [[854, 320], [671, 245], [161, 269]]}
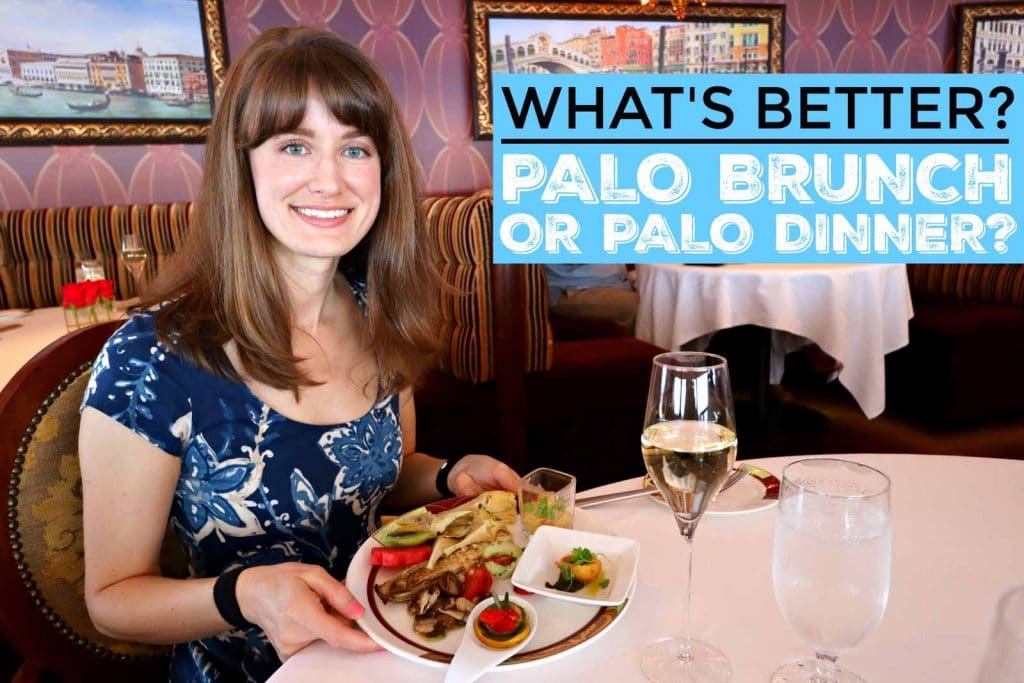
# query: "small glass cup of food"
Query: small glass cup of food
{"points": [[546, 497]]}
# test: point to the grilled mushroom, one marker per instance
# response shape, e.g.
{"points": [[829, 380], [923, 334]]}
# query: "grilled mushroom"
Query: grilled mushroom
{"points": [[450, 584], [446, 622], [459, 616], [425, 626], [426, 599]]}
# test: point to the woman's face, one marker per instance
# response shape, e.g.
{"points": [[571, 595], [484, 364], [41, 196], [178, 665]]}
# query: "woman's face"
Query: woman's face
{"points": [[318, 187]]}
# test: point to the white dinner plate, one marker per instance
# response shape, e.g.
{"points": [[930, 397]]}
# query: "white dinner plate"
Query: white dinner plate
{"points": [[11, 314], [539, 564], [757, 491], [562, 627]]}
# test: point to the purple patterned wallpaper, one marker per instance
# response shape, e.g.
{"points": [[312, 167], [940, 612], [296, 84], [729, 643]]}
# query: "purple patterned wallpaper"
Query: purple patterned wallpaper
{"points": [[422, 46]]}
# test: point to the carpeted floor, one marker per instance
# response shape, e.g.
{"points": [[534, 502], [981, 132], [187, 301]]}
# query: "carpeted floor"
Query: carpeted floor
{"points": [[847, 430], [814, 416]]}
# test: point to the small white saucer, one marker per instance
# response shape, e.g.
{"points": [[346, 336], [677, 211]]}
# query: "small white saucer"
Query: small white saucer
{"points": [[11, 314], [539, 564], [757, 491]]}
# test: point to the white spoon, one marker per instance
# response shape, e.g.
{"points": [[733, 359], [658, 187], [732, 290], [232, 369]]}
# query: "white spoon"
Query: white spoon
{"points": [[473, 659]]}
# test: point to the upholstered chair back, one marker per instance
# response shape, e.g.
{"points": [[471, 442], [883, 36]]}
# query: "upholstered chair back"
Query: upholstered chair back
{"points": [[990, 283], [474, 294], [41, 556]]}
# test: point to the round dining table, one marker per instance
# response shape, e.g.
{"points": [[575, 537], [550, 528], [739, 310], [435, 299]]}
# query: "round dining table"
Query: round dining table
{"points": [[24, 336], [957, 541]]}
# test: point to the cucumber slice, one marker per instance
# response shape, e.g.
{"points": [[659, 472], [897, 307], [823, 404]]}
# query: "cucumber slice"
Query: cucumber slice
{"points": [[412, 528]]}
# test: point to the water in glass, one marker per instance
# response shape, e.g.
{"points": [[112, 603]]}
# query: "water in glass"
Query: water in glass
{"points": [[831, 560]]}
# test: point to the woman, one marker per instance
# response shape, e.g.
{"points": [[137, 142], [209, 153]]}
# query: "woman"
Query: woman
{"points": [[262, 401]]}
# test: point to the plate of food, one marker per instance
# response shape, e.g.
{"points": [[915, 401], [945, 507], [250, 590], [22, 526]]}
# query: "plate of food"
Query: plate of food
{"points": [[757, 491], [421, 576], [578, 566]]}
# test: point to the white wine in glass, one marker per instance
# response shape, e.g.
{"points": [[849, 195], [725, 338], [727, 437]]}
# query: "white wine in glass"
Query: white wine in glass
{"points": [[688, 445], [134, 256], [831, 561]]}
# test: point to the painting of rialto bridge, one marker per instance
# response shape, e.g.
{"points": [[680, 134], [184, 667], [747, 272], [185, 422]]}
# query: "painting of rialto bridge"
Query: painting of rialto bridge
{"points": [[575, 46]]}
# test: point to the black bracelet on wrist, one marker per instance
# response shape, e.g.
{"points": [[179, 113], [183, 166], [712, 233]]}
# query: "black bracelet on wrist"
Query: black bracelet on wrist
{"points": [[226, 600], [441, 481]]}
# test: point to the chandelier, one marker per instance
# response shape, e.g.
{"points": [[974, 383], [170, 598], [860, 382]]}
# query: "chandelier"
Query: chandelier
{"points": [[679, 6]]}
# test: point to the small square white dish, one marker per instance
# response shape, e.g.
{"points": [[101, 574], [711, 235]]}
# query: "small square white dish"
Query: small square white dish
{"points": [[539, 564]]}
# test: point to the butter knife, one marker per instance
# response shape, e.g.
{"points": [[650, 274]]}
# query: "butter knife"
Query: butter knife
{"points": [[587, 501], [737, 475]]}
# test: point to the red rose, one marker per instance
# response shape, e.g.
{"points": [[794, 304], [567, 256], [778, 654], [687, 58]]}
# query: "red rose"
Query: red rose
{"points": [[106, 289], [73, 294], [91, 290]]}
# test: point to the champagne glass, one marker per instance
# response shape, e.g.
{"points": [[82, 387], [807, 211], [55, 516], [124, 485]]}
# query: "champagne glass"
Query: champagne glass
{"points": [[831, 560], [134, 256], [688, 444]]}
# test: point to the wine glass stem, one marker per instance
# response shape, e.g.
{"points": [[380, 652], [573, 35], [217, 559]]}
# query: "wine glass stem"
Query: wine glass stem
{"points": [[826, 667], [685, 652]]}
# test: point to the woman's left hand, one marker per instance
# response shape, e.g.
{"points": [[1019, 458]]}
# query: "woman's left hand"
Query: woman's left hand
{"points": [[474, 474]]}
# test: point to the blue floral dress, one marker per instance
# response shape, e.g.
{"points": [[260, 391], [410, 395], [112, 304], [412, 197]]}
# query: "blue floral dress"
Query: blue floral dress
{"points": [[256, 488]]}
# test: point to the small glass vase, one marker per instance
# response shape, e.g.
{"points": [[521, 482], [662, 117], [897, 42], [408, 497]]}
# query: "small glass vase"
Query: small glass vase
{"points": [[88, 303]]}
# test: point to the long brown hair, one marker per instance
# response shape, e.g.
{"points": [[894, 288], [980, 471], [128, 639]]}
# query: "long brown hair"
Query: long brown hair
{"points": [[224, 284]]}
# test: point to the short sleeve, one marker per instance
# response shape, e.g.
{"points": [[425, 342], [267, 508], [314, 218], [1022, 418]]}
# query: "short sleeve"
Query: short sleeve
{"points": [[138, 382]]}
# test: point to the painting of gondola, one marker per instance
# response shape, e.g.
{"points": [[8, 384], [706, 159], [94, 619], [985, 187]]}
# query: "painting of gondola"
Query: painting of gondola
{"points": [[112, 71], [525, 36]]}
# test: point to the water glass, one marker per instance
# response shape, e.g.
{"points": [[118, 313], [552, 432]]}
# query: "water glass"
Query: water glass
{"points": [[88, 270], [831, 561], [1004, 660]]}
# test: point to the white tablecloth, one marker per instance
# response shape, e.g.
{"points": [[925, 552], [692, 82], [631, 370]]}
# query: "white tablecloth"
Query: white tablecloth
{"points": [[855, 313], [957, 547], [27, 336]]}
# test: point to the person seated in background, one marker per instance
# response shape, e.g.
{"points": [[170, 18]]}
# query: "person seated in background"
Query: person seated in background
{"points": [[598, 291], [260, 396]]}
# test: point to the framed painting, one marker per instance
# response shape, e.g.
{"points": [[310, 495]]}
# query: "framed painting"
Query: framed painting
{"points": [[617, 37], [990, 38], [111, 71]]}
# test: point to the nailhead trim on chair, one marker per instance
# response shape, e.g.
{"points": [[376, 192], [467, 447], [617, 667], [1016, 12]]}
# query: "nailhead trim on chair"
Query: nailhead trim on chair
{"points": [[16, 546]]}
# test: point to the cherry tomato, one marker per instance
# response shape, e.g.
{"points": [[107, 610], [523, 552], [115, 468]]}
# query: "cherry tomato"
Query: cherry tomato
{"points": [[399, 557], [501, 621], [478, 583]]}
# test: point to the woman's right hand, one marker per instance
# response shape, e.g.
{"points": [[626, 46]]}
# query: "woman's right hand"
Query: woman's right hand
{"points": [[296, 604]]}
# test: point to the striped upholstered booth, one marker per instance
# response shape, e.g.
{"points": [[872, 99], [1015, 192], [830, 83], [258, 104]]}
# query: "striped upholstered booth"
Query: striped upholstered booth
{"points": [[462, 229], [966, 342], [39, 247]]}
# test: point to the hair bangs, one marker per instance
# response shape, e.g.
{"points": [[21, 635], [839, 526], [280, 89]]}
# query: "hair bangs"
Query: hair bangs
{"points": [[277, 99], [354, 100]]}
